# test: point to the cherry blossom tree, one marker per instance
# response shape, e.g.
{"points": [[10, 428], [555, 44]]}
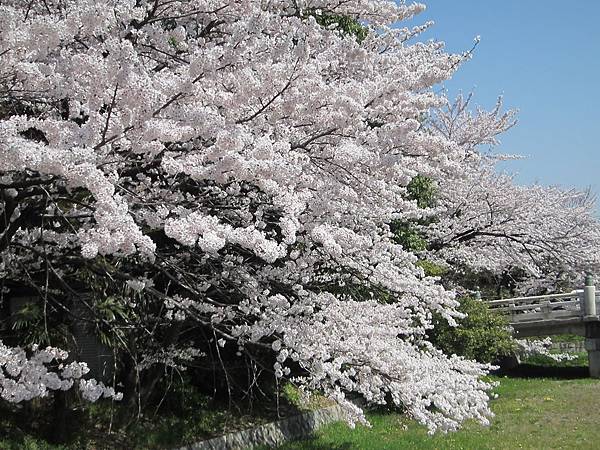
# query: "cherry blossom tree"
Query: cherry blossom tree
{"points": [[487, 222], [209, 175]]}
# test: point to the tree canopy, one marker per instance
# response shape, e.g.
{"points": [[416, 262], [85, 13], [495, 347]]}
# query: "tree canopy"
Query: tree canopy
{"points": [[215, 180]]}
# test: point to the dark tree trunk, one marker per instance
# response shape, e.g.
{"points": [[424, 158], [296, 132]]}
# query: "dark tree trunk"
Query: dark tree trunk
{"points": [[59, 431]]}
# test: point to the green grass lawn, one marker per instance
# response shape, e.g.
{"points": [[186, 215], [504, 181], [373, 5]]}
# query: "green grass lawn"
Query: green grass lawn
{"points": [[531, 413]]}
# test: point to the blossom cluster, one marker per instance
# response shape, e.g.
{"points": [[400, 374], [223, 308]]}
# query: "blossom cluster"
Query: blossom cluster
{"points": [[24, 378], [532, 347]]}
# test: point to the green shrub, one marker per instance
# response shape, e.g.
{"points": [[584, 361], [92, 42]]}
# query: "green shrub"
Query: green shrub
{"points": [[482, 335], [431, 269]]}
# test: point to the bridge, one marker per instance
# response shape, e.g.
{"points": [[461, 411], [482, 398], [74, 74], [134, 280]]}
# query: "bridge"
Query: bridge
{"points": [[575, 312]]}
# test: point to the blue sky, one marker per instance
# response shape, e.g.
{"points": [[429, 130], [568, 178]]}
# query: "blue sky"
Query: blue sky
{"points": [[543, 57]]}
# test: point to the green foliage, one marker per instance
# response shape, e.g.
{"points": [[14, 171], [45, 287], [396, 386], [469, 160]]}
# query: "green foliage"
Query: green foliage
{"points": [[291, 394], [34, 327], [30, 314], [423, 190], [482, 335], [408, 236], [111, 308], [348, 25], [431, 269], [109, 312]]}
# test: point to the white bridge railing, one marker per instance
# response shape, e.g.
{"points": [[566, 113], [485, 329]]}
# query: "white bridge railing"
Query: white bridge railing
{"points": [[541, 307], [575, 304]]}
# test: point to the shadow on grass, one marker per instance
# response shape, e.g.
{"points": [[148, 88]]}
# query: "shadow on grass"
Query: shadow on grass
{"points": [[539, 371], [310, 443]]}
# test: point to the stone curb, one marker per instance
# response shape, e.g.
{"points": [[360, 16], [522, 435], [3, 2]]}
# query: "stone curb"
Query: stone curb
{"points": [[274, 433]]}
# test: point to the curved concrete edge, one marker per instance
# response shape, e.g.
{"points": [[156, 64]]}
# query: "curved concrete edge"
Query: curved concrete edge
{"points": [[274, 433]]}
